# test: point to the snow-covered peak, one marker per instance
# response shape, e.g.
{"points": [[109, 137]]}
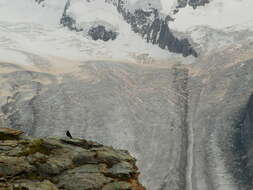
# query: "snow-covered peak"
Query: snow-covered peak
{"points": [[216, 13], [29, 28], [219, 14], [168, 6], [31, 11], [90, 13], [131, 29]]}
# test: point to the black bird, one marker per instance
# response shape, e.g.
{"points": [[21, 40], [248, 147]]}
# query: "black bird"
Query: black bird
{"points": [[69, 135]]}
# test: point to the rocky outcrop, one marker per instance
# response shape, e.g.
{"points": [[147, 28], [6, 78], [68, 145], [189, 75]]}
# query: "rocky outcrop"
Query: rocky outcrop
{"points": [[101, 33], [67, 20], [155, 29], [53, 163], [196, 3], [98, 32], [193, 3]]}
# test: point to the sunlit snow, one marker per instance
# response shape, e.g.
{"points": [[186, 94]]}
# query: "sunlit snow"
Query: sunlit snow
{"points": [[218, 14]]}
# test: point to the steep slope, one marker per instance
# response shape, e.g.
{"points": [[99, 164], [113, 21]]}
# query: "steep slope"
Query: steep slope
{"points": [[118, 104], [220, 92], [187, 120], [180, 123], [145, 21]]}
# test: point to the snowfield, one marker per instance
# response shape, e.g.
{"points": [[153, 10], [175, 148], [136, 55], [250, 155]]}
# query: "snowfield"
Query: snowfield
{"points": [[219, 14], [26, 26]]}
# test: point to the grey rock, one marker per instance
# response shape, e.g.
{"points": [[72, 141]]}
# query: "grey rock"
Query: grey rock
{"points": [[101, 33], [193, 3], [54, 166], [196, 3], [34, 185], [117, 185], [78, 180], [155, 29], [85, 157], [67, 166], [122, 170], [11, 166], [67, 20]]}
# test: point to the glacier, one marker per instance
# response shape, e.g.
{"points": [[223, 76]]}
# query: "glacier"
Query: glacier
{"points": [[187, 119]]}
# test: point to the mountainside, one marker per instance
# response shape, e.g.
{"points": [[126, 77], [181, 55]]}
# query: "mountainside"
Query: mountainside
{"points": [[170, 81], [62, 163]]}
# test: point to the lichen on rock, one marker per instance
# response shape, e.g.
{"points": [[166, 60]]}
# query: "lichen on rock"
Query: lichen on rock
{"points": [[59, 163]]}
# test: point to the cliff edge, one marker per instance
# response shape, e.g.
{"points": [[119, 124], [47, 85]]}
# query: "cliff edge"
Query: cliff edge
{"points": [[54, 163]]}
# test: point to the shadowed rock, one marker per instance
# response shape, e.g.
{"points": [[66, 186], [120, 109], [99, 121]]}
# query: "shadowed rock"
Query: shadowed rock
{"points": [[7, 133]]}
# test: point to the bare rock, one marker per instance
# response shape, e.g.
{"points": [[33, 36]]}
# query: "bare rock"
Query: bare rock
{"points": [[6, 133], [70, 164]]}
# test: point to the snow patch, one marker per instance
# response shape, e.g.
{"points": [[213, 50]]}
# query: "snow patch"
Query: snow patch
{"points": [[218, 14], [48, 12], [168, 6]]}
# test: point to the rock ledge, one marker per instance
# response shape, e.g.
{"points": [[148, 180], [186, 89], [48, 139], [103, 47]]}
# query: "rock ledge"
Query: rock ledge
{"points": [[53, 163]]}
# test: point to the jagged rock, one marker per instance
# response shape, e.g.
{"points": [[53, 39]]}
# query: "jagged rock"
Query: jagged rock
{"points": [[7, 134], [67, 20], [101, 33], [69, 164], [155, 29], [122, 170]]}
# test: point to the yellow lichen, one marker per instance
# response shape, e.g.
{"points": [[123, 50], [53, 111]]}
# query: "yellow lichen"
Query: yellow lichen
{"points": [[34, 146]]}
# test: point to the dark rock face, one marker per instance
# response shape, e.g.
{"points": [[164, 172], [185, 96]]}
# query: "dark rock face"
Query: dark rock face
{"points": [[156, 30], [97, 33], [242, 150], [68, 21], [196, 3], [193, 3], [100, 33], [181, 3]]}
